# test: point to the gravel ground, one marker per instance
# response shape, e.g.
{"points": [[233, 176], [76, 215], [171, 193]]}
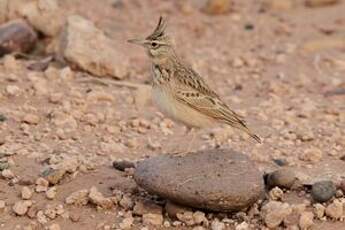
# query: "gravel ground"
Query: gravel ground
{"points": [[282, 66]]}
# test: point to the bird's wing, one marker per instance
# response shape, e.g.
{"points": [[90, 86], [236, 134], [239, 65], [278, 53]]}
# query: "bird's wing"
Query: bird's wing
{"points": [[188, 79], [209, 106], [215, 108], [192, 90]]}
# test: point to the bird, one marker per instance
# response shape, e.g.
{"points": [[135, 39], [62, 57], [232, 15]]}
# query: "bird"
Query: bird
{"points": [[180, 92]]}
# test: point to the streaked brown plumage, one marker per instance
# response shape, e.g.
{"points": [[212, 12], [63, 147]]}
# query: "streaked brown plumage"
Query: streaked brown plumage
{"points": [[180, 92]]}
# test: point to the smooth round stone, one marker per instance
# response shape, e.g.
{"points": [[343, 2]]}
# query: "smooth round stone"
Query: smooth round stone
{"points": [[4, 165], [217, 180], [2, 118], [322, 191], [122, 165], [283, 178]]}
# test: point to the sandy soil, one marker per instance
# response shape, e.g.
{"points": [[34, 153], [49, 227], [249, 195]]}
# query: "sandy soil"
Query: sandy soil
{"points": [[259, 61]]}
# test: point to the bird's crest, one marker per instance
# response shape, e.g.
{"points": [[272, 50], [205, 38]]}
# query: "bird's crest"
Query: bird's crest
{"points": [[159, 32]]}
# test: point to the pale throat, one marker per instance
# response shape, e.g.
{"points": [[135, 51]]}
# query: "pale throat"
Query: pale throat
{"points": [[159, 60], [166, 59]]}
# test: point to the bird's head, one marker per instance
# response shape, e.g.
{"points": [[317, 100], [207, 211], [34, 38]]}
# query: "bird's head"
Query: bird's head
{"points": [[157, 44]]}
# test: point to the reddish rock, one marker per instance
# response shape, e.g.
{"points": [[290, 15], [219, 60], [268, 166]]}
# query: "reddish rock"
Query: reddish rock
{"points": [[16, 36]]}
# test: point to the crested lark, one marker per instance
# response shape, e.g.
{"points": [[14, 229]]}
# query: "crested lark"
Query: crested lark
{"points": [[180, 92]]}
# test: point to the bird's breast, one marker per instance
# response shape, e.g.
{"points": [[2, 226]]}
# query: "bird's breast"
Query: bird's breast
{"points": [[164, 100], [168, 104]]}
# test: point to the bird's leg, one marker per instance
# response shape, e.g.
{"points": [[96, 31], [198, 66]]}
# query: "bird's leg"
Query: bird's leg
{"points": [[190, 131]]}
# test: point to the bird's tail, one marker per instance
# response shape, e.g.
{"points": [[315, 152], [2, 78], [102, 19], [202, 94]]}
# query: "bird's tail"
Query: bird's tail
{"points": [[255, 137], [235, 120], [244, 128]]}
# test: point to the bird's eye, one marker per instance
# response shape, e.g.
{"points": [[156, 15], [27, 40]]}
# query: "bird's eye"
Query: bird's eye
{"points": [[154, 44]]}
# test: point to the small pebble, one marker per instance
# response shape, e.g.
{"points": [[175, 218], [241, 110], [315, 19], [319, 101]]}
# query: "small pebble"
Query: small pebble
{"points": [[123, 164], [41, 217], [12, 90], [152, 219], [51, 193], [54, 176], [31, 119], [186, 218], [143, 207], [237, 63], [306, 220], [249, 26], [26, 193], [342, 185], [21, 207], [127, 223], [335, 210], [312, 154], [98, 199], [56, 98], [200, 218], [32, 211], [341, 158], [2, 206], [54, 227], [319, 210], [215, 7], [66, 73], [80, 197], [280, 162], [50, 212], [126, 202], [276, 194], [166, 224], [41, 185], [26, 181], [323, 191], [2, 140], [242, 226], [320, 3], [283, 178], [74, 216], [339, 193], [217, 225], [274, 213], [4, 165], [7, 174], [278, 5], [173, 209], [2, 117]]}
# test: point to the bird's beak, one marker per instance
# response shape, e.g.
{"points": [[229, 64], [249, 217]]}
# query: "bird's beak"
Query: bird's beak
{"points": [[137, 41]]}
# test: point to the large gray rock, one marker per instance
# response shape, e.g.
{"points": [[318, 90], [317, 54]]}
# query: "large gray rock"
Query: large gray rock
{"points": [[218, 180]]}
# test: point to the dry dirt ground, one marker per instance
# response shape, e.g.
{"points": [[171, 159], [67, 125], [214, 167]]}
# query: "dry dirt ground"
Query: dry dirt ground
{"points": [[279, 68]]}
